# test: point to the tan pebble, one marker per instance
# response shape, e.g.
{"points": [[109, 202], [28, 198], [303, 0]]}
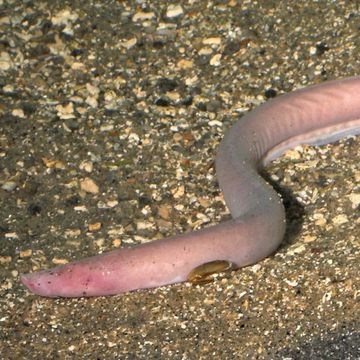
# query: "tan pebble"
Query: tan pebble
{"points": [[58, 261], [355, 199], [5, 259], [204, 202], [215, 123], [178, 192], [72, 232], [116, 243], [74, 243], [245, 304], [144, 225], [174, 10], [304, 166], [185, 64], [128, 44], [89, 186], [164, 211], [296, 249], [173, 95], [169, 27], [320, 222], [291, 283], [71, 184], [119, 81], [7, 89], [92, 89], [209, 301], [25, 253], [109, 96], [177, 137], [142, 16], [357, 176], [340, 219], [66, 116], [59, 165], [6, 285], [133, 137], [100, 242], [117, 231], [202, 217], [6, 20], [309, 238], [163, 224], [5, 61], [9, 185], [255, 268], [92, 101], [179, 207], [313, 163], [78, 66], [11, 235], [140, 94], [95, 227], [312, 50], [81, 110], [319, 219], [65, 111], [87, 166], [212, 41], [64, 17], [112, 203], [215, 60], [206, 51], [191, 81], [53, 164], [81, 208], [68, 30], [18, 113], [107, 127], [292, 154]]}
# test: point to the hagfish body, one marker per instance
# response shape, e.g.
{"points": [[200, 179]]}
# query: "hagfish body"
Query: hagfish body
{"points": [[315, 115]]}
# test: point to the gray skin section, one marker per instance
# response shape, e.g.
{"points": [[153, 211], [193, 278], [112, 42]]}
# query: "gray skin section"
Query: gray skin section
{"points": [[314, 115]]}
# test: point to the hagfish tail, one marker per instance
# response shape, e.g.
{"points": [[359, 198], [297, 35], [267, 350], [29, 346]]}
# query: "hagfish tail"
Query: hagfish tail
{"points": [[315, 115]]}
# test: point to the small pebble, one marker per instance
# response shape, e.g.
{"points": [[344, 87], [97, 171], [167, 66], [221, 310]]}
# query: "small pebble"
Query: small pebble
{"points": [[89, 186], [25, 253], [174, 11], [142, 16], [9, 185]]}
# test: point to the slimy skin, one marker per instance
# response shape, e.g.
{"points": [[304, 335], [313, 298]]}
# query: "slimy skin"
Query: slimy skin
{"points": [[314, 115]]}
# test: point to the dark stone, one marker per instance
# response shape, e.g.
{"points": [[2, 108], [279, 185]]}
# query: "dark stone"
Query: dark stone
{"points": [[270, 93], [166, 85], [34, 209]]}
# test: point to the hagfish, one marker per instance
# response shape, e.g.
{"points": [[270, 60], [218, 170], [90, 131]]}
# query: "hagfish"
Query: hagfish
{"points": [[315, 115]]}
